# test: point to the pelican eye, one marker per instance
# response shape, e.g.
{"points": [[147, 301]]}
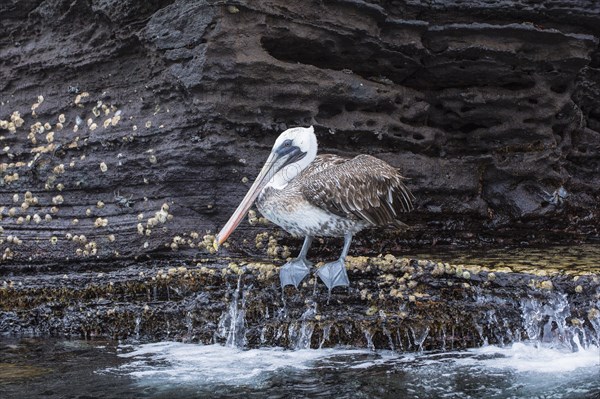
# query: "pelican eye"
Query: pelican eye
{"points": [[286, 148]]}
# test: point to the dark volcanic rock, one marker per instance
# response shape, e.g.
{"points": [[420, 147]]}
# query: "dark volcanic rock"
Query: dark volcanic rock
{"points": [[401, 304], [488, 107]]}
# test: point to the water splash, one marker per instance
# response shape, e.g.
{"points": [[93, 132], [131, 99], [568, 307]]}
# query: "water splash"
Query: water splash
{"points": [[517, 370], [189, 323], [387, 333], [263, 335], [594, 318], [419, 335], [138, 323], [279, 333], [548, 321], [369, 337], [232, 324], [443, 338], [300, 337], [326, 332]]}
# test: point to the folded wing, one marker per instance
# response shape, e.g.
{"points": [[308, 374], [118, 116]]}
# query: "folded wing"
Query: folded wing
{"points": [[363, 187]]}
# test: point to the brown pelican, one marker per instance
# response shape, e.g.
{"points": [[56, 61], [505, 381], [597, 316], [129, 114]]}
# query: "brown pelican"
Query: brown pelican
{"points": [[326, 195]]}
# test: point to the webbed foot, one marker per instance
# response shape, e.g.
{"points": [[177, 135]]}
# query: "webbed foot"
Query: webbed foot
{"points": [[334, 274], [293, 272]]}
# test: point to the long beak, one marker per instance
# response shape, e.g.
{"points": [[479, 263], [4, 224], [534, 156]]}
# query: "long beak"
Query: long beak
{"points": [[266, 173]]}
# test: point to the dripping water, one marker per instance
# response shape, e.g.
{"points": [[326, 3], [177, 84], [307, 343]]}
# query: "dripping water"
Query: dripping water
{"points": [[548, 322], [419, 336], [138, 323], [189, 324], [326, 332], [369, 337], [232, 324], [300, 336], [387, 333]]}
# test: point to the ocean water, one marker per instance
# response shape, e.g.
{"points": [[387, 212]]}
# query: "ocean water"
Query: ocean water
{"points": [[51, 368]]}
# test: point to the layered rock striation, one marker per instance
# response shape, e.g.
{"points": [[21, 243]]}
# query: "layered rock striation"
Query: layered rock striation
{"points": [[134, 128]]}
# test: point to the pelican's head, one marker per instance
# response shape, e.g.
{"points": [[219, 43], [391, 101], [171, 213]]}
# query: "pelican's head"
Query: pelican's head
{"points": [[292, 152]]}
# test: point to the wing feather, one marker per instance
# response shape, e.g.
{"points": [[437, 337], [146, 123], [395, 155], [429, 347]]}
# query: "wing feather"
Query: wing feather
{"points": [[363, 187]]}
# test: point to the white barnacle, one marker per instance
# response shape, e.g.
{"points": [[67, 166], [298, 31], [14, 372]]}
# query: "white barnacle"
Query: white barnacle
{"points": [[100, 222], [16, 119], [103, 167]]}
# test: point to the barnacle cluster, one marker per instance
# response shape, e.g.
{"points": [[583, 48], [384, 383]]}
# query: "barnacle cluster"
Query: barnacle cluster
{"points": [[45, 142], [160, 217]]}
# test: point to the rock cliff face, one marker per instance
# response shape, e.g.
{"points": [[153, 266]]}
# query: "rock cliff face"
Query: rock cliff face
{"points": [[128, 128]]}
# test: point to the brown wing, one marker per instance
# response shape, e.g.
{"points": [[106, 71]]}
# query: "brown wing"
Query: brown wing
{"points": [[363, 187]]}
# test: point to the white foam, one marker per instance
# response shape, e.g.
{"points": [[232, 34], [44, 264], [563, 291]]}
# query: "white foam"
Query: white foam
{"points": [[174, 364], [529, 357], [208, 364]]}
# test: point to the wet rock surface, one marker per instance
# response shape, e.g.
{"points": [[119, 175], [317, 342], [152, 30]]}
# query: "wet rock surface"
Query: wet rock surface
{"points": [[393, 303]]}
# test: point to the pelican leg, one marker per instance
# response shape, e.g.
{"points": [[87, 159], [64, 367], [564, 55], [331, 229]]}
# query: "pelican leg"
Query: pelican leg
{"points": [[293, 272], [334, 274]]}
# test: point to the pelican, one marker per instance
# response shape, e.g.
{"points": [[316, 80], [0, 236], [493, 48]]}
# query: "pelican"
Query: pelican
{"points": [[325, 195]]}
